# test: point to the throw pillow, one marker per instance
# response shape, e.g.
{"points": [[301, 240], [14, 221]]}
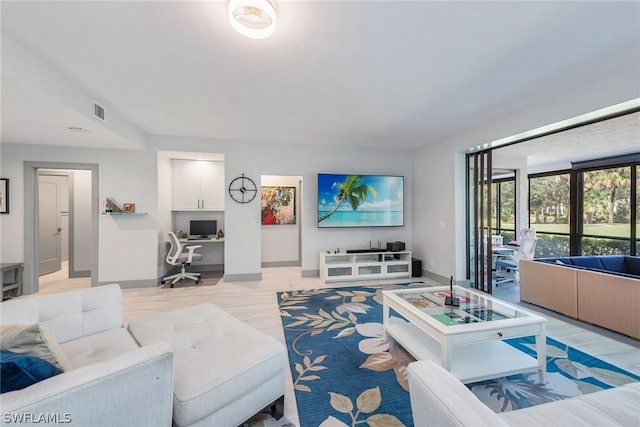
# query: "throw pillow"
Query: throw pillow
{"points": [[32, 339], [18, 371]]}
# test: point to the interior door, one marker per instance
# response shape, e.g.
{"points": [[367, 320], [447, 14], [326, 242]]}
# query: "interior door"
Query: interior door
{"points": [[49, 230]]}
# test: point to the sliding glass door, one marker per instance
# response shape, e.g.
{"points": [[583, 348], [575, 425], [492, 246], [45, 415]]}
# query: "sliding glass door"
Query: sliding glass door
{"points": [[480, 208]]}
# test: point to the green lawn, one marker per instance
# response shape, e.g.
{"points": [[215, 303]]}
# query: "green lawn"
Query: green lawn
{"points": [[615, 230]]}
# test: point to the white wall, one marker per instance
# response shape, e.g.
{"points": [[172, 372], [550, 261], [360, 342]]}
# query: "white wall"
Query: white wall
{"points": [[243, 246], [280, 242], [127, 246], [439, 173]]}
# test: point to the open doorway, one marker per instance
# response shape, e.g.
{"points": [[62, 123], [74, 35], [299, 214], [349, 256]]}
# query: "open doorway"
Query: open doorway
{"points": [[280, 211], [64, 222], [61, 222]]}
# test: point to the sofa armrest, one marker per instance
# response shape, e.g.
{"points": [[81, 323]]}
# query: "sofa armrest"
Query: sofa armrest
{"points": [[134, 389], [440, 399]]}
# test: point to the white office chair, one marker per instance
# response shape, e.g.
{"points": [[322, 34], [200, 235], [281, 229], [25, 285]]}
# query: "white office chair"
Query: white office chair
{"points": [[507, 267], [177, 257]]}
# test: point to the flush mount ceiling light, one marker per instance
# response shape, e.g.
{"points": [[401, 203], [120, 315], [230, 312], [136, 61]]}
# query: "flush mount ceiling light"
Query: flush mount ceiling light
{"points": [[255, 19]]}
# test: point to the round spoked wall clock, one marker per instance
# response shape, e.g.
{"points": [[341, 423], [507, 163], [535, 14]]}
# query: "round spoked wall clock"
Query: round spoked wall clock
{"points": [[242, 189]]}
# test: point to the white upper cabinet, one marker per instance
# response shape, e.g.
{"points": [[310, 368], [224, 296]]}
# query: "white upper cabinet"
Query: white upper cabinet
{"points": [[198, 185]]}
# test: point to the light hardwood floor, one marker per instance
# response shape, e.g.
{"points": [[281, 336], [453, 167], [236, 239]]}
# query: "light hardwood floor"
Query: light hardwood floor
{"points": [[256, 304]]}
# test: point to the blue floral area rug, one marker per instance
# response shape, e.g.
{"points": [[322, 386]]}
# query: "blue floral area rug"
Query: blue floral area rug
{"points": [[345, 373]]}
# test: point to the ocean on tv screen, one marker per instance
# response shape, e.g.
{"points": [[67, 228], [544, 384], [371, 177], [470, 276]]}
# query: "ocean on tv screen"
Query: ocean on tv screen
{"points": [[360, 200], [362, 219]]}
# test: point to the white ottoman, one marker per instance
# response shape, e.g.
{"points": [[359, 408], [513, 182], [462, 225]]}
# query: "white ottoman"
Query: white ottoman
{"points": [[225, 371]]}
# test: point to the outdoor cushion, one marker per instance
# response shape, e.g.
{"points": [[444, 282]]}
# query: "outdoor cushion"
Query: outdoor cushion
{"points": [[588, 262], [614, 263], [18, 371], [633, 265]]}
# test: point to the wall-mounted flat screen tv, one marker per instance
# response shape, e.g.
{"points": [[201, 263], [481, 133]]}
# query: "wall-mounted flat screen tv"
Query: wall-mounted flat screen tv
{"points": [[360, 201]]}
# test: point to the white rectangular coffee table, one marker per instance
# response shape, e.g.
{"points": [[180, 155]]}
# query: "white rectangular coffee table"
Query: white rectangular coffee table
{"points": [[466, 340]]}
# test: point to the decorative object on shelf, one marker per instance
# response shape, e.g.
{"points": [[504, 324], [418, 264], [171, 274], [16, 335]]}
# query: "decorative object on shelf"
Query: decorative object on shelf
{"points": [[278, 205], [242, 189], [4, 195], [220, 234], [111, 207], [108, 205]]}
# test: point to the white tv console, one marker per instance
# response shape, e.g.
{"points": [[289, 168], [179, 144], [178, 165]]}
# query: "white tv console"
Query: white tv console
{"points": [[365, 265]]}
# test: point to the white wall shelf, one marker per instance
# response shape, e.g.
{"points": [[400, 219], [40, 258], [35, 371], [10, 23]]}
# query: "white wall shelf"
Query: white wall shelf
{"points": [[124, 213], [370, 265]]}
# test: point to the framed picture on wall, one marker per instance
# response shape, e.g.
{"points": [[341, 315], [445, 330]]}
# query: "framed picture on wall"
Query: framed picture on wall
{"points": [[4, 195], [278, 205], [129, 207]]}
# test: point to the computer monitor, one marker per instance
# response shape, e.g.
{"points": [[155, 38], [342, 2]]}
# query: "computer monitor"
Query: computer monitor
{"points": [[203, 228]]}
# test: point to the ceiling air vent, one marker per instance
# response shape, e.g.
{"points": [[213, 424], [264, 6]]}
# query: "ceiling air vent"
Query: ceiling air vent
{"points": [[98, 111]]}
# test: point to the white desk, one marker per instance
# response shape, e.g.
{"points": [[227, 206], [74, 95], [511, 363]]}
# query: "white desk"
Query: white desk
{"points": [[214, 240], [212, 251]]}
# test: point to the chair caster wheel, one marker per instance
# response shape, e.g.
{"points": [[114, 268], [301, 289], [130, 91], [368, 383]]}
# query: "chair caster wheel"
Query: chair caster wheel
{"points": [[172, 285]]}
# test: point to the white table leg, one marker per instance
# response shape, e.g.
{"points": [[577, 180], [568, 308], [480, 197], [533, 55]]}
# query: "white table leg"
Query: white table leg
{"points": [[385, 320], [541, 350], [446, 354]]}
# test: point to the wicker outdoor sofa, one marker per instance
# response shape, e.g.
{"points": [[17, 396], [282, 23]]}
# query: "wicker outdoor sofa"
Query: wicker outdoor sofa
{"points": [[601, 290]]}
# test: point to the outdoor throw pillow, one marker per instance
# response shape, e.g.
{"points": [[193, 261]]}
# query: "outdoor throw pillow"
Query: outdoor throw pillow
{"points": [[32, 339], [18, 371]]}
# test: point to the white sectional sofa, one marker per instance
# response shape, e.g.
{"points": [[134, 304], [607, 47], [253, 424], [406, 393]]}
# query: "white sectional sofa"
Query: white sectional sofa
{"points": [[440, 399], [109, 380], [225, 370]]}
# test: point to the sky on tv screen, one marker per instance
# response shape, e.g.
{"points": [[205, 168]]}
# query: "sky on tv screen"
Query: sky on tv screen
{"points": [[385, 208]]}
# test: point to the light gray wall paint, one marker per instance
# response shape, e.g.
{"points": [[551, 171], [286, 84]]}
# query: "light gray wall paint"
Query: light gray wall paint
{"points": [[129, 246], [280, 242], [243, 246], [439, 205]]}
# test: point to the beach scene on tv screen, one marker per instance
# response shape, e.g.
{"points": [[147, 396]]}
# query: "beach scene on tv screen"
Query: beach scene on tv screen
{"points": [[360, 200]]}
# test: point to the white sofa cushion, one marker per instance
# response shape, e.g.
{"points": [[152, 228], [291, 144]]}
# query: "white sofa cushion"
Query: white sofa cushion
{"points": [[218, 359], [98, 347], [618, 406], [69, 315], [439, 399]]}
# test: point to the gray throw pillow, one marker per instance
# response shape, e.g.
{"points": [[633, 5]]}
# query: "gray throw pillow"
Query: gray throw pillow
{"points": [[33, 339]]}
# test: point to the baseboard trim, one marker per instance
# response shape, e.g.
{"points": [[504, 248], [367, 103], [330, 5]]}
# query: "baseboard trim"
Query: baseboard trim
{"points": [[204, 267], [310, 273], [436, 277], [252, 277], [76, 274], [131, 284], [295, 263]]}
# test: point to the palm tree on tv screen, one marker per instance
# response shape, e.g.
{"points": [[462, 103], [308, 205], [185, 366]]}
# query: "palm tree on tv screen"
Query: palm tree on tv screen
{"points": [[353, 191]]}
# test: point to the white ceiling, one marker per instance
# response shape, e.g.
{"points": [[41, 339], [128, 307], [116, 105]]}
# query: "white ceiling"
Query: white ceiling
{"points": [[617, 136], [385, 73]]}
